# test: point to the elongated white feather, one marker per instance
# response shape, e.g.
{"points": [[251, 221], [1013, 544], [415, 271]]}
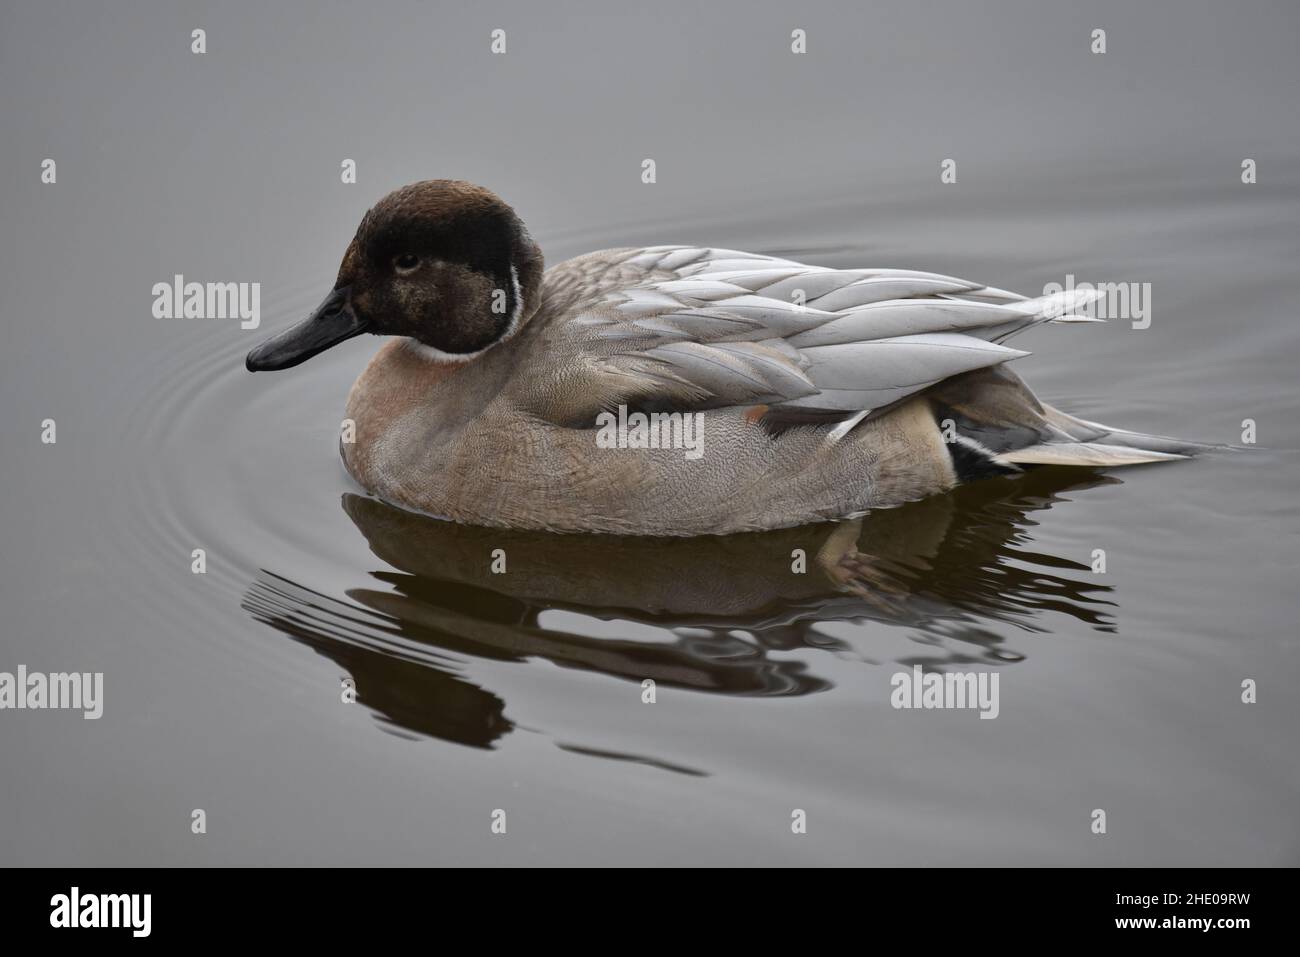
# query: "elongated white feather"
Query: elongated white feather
{"points": [[1083, 453]]}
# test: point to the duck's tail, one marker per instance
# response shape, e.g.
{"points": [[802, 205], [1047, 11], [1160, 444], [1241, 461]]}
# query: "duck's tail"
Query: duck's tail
{"points": [[995, 425], [1091, 443]]}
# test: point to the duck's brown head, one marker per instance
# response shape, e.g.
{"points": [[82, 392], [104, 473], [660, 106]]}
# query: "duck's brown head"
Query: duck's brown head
{"points": [[444, 262]]}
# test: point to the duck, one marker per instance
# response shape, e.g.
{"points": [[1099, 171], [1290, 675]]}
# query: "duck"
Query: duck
{"points": [[560, 399]]}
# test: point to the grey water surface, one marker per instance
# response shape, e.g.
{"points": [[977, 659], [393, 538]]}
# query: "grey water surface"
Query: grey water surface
{"points": [[224, 691]]}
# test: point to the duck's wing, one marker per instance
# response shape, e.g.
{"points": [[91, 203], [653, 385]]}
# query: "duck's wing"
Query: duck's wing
{"points": [[717, 327]]}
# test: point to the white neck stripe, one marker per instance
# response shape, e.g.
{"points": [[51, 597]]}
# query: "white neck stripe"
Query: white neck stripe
{"points": [[455, 358]]}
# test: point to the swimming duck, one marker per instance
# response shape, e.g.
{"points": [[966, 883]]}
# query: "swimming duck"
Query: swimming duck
{"points": [[672, 390]]}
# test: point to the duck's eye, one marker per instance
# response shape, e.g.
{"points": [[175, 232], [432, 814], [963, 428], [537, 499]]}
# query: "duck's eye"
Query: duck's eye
{"points": [[406, 262]]}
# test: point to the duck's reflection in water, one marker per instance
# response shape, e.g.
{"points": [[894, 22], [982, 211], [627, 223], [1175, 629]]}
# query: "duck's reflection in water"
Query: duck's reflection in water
{"points": [[947, 567]]}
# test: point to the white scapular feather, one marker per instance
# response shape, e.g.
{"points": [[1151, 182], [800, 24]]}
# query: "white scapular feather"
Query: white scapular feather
{"points": [[851, 339]]}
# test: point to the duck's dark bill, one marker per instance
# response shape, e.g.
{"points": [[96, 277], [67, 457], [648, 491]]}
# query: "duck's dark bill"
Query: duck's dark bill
{"points": [[331, 323]]}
